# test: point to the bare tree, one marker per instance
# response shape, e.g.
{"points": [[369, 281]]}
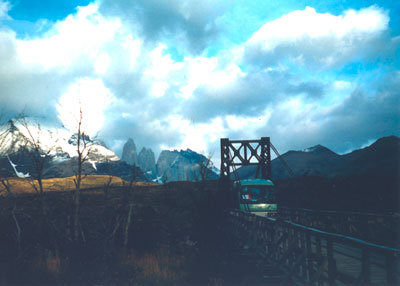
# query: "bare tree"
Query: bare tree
{"points": [[83, 150], [3, 179], [164, 178], [134, 177], [106, 187], [5, 182], [132, 183], [39, 157], [204, 169]]}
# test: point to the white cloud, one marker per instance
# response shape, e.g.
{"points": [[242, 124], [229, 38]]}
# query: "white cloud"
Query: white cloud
{"points": [[247, 124], [89, 96], [101, 63], [342, 85], [188, 75], [133, 48], [307, 36], [308, 23], [79, 38], [160, 70], [159, 88], [203, 71], [195, 136]]}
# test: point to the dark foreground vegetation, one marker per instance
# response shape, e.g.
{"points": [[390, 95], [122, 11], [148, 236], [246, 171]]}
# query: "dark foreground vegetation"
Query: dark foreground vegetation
{"points": [[152, 235], [140, 235]]}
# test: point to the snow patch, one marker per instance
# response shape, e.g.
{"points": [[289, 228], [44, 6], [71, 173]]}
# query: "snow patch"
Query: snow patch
{"points": [[93, 164], [19, 174], [158, 180], [312, 149], [175, 160]]}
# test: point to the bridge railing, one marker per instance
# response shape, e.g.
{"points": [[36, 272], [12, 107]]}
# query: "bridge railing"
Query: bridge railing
{"points": [[375, 227], [314, 257]]}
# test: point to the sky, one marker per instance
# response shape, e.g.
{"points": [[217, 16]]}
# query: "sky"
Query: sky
{"points": [[183, 74]]}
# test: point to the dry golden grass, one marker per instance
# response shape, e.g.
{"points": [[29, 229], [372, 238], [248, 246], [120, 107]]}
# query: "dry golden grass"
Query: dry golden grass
{"points": [[23, 186]]}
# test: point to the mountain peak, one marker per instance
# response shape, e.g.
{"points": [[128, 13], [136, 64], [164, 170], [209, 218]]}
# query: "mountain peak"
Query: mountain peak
{"points": [[318, 149], [146, 160], [129, 153], [12, 128], [130, 142], [387, 140]]}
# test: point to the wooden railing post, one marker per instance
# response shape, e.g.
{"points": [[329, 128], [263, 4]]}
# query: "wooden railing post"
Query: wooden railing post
{"points": [[331, 262], [319, 254], [391, 270], [365, 267], [310, 263], [304, 252]]}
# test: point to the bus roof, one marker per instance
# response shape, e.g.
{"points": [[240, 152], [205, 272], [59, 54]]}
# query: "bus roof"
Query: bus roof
{"points": [[258, 182]]}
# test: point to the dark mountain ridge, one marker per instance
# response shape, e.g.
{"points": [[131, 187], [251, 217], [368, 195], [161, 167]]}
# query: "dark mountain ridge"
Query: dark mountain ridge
{"points": [[365, 180], [381, 157]]}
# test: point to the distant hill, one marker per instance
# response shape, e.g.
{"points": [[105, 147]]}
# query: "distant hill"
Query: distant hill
{"points": [[381, 157]]}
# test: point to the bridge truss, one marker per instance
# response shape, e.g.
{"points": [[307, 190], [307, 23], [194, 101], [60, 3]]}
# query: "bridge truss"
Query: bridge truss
{"points": [[243, 153], [246, 153]]}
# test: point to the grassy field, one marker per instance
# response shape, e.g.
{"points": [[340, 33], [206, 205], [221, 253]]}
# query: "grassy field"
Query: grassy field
{"points": [[24, 186]]}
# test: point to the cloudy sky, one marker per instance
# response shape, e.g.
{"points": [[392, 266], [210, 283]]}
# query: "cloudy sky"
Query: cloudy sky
{"points": [[184, 73]]}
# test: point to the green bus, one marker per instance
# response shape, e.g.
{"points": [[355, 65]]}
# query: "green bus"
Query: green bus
{"points": [[257, 196]]}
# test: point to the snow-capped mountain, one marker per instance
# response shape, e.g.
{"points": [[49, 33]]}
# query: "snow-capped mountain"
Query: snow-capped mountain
{"points": [[19, 137], [59, 143]]}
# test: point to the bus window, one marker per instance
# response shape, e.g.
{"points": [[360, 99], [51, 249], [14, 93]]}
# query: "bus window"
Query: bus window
{"points": [[258, 195]]}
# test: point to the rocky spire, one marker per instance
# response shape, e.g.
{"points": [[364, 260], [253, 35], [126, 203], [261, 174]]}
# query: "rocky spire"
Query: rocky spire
{"points": [[146, 160], [129, 154]]}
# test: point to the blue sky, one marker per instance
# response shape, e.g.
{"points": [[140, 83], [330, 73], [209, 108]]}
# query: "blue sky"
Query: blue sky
{"points": [[182, 74], [33, 11]]}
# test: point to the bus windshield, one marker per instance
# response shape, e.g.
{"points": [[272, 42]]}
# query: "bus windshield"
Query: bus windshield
{"points": [[258, 195]]}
